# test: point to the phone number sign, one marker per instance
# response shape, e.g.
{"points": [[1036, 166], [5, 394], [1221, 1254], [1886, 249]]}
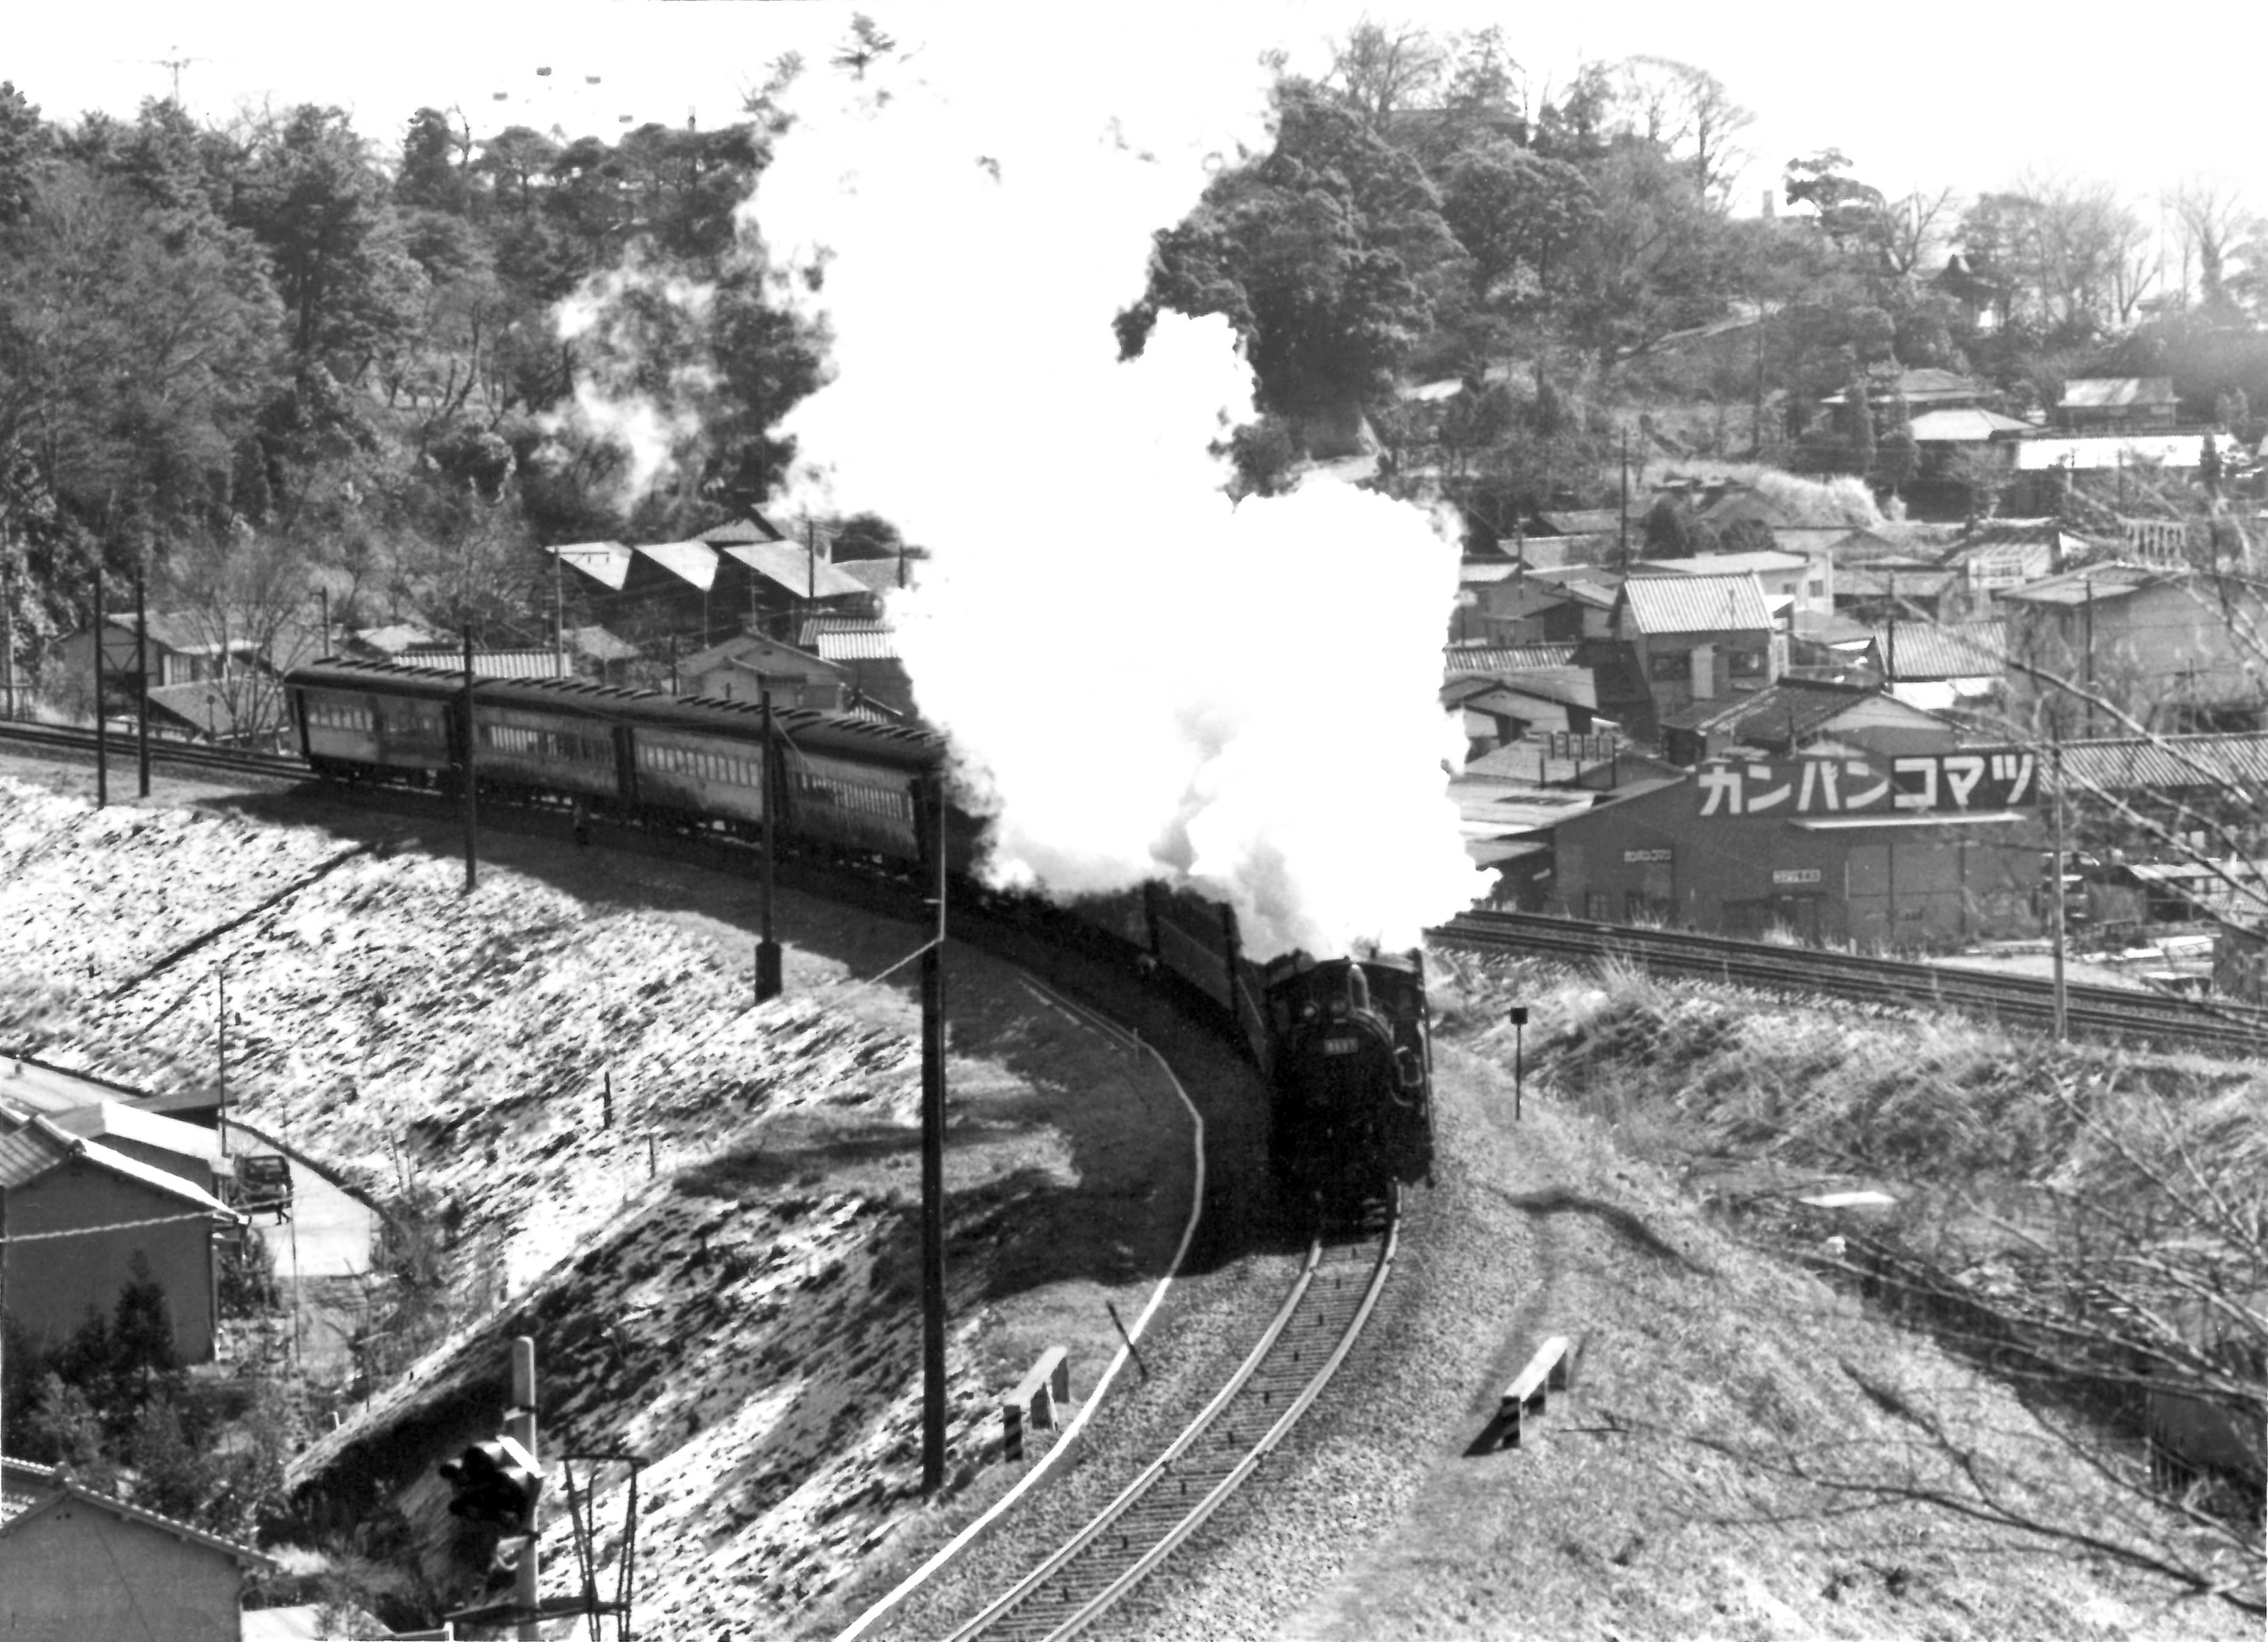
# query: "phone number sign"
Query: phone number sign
{"points": [[1911, 784]]}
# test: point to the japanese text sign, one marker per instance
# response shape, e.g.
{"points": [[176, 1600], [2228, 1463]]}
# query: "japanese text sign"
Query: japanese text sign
{"points": [[1911, 784]]}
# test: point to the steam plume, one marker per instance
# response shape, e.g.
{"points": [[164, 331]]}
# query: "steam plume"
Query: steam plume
{"points": [[1139, 679]]}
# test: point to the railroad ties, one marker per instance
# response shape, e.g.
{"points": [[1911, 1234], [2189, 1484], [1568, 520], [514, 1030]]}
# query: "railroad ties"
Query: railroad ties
{"points": [[1221, 1448]]}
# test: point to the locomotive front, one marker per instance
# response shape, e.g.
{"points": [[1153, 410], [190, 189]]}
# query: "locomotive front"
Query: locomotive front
{"points": [[1352, 1111]]}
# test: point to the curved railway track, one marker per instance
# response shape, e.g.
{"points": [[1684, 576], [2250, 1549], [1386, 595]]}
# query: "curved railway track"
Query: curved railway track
{"points": [[1220, 1450], [52, 738], [2217, 1024]]}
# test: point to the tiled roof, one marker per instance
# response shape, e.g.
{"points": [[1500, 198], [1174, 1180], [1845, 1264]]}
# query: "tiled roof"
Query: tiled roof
{"points": [[392, 641], [489, 664], [26, 1487], [2110, 393], [2169, 762], [758, 654], [790, 565], [838, 640], [1929, 650], [207, 705], [1505, 658], [1695, 604]]}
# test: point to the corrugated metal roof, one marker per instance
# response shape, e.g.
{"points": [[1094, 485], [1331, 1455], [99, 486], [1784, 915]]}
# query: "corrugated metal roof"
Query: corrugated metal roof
{"points": [[1697, 604], [789, 565], [839, 640], [2169, 762], [694, 562], [758, 653], [1491, 659], [605, 563], [393, 640], [1969, 425], [880, 575], [30, 1150], [1906, 580], [1928, 650], [2097, 584], [2112, 393], [740, 531]]}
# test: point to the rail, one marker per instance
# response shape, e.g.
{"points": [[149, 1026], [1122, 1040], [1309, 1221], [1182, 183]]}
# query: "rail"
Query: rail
{"points": [[2027, 1000], [1215, 1454], [70, 739]]}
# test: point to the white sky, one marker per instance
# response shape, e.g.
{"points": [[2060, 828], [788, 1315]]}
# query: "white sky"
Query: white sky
{"points": [[1919, 93]]}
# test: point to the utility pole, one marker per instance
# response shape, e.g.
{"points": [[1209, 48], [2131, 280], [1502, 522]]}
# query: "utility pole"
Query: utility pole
{"points": [[1890, 661], [2055, 829], [102, 730], [558, 621], [932, 979], [1624, 538], [220, 1048], [472, 794], [323, 650], [7, 634], [768, 951], [520, 1425], [142, 667]]}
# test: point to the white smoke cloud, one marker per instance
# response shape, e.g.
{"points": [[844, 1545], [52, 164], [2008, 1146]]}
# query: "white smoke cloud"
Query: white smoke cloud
{"points": [[1142, 679], [622, 320]]}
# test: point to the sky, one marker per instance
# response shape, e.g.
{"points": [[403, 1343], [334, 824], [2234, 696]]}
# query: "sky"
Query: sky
{"points": [[1923, 94]]}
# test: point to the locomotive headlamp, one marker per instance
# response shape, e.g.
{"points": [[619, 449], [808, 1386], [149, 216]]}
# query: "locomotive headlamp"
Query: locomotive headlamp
{"points": [[1339, 1008], [1308, 1011]]}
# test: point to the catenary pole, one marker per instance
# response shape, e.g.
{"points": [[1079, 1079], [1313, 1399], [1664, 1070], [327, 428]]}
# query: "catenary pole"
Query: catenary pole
{"points": [[2055, 824], [520, 1423], [933, 975]]}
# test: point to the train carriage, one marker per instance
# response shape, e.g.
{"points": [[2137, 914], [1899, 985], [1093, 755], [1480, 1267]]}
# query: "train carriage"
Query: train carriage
{"points": [[374, 717]]}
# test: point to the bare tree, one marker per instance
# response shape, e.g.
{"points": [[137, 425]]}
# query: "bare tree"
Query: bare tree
{"points": [[2211, 219], [1915, 229], [1688, 113], [1381, 68]]}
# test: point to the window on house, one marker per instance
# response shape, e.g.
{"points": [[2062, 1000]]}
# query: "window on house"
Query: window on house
{"points": [[1668, 667], [1819, 590], [1746, 664]]}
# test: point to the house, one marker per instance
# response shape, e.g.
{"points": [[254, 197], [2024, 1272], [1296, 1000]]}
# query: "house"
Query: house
{"points": [[1695, 638], [789, 584], [1973, 427], [221, 648], [1498, 711], [1503, 601], [1924, 389], [1919, 850], [1819, 717], [1940, 667], [187, 1151], [867, 653], [1791, 581], [2002, 553], [2174, 651], [743, 668], [1869, 592], [54, 1181], [2125, 404], [80, 1566]]}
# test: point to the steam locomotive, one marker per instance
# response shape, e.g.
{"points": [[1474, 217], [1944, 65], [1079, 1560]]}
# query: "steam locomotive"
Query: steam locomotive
{"points": [[1345, 1042]]}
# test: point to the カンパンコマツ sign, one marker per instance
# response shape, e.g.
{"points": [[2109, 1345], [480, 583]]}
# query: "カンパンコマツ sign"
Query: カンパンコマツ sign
{"points": [[1910, 784]]}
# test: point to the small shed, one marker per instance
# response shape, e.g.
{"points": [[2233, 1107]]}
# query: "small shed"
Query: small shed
{"points": [[743, 668], [80, 1566]]}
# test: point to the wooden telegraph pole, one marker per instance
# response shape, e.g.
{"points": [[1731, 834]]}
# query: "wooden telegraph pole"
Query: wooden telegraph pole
{"points": [[933, 975], [472, 797], [520, 1425], [768, 950], [101, 729], [142, 667]]}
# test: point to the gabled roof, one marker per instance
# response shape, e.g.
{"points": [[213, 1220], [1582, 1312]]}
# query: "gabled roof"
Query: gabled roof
{"points": [[1763, 563], [1579, 521], [694, 562], [1931, 649], [108, 1120], [206, 705], [836, 639], [27, 1490], [2097, 584], [2114, 393], [1791, 710], [1493, 659], [2168, 762], [392, 641], [596, 644], [34, 1148], [789, 566], [605, 563], [1924, 384], [1969, 425], [748, 649], [880, 575], [742, 531], [1695, 604]]}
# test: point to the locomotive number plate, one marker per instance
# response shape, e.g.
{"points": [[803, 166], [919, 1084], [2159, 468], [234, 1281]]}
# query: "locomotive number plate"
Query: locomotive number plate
{"points": [[1342, 1046]]}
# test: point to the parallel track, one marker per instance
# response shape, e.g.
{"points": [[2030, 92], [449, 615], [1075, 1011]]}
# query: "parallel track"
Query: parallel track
{"points": [[49, 738], [1229, 1440], [2215, 1024]]}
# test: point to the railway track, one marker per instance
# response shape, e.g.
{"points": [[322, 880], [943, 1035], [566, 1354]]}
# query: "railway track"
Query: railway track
{"points": [[2218, 1024], [50, 738], [1227, 1443]]}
